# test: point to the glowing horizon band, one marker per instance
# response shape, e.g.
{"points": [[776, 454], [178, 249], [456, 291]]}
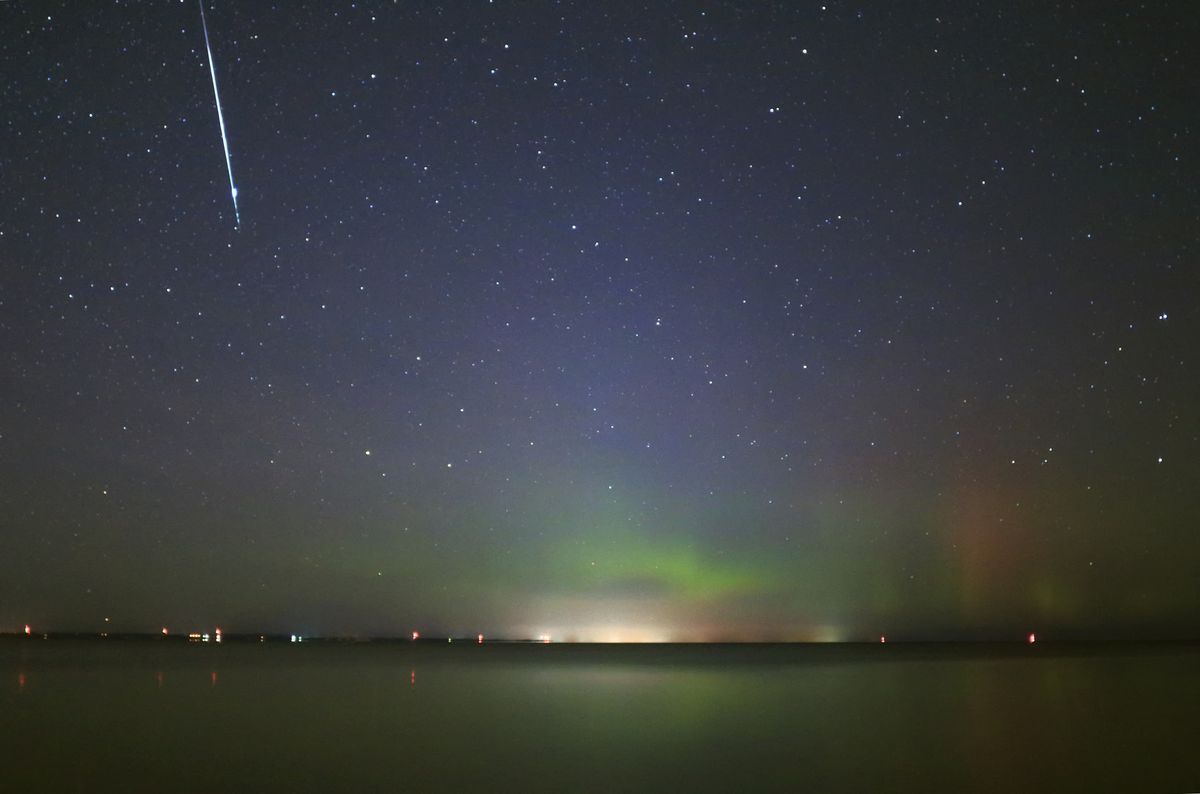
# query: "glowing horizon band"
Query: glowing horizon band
{"points": [[212, 68]]}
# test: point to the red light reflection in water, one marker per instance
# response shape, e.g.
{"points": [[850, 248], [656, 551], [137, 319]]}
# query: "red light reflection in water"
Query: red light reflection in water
{"points": [[213, 677], [413, 678], [158, 677], [20, 681]]}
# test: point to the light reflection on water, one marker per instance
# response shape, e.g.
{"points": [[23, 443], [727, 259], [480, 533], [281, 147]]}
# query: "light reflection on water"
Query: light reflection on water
{"points": [[555, 718]]}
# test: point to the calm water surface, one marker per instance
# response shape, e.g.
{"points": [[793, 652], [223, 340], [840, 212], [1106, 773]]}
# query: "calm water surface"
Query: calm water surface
{"points": [[147, 716]]}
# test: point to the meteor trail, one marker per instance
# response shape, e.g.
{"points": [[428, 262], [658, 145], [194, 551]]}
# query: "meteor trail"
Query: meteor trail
{"points": [[212, 68]]}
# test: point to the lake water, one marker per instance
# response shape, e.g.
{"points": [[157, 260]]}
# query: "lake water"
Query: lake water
{"points": [[160, 716]]}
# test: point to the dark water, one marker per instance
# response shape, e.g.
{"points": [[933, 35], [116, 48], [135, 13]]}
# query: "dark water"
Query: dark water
{"points": [[146, 716]]}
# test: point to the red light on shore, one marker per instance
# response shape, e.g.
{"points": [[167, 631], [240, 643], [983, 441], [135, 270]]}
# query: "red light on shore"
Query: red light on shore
{"points": [[28, 630], [1032, 638], [164, 631], [416, 635], [481, 639], [882, 639]]}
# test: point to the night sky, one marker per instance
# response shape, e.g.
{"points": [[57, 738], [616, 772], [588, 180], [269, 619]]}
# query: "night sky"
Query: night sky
{"points": [[603, 320]]}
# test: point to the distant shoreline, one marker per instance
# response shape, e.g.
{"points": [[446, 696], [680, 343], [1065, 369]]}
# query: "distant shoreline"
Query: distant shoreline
{"points": [[244, 638]]}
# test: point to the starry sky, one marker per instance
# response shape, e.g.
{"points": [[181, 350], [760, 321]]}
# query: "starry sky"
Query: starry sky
{"points": [[609, 321]]}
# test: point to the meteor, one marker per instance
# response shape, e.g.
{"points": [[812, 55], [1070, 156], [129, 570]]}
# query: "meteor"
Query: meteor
{"points": [[212, 68]]}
